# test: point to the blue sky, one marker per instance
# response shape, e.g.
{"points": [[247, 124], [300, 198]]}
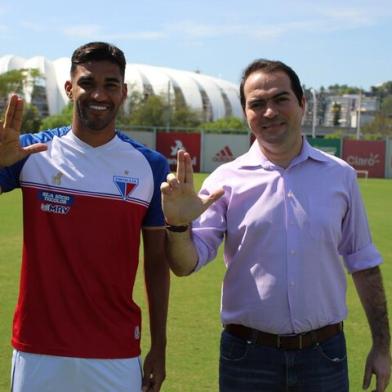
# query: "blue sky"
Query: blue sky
{"points": [[326, 42]]}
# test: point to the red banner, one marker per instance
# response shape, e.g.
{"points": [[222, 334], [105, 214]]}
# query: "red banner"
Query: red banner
{"points": [[366, 155], [168, 143]]}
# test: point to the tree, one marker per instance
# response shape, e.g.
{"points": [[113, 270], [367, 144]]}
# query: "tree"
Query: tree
{"points": [[31, 119], [225, 124], [16, 80], [381, 126], [58, 120], [383, 90], [154, 111], [337, 113], [386, 106], [342, 89]]}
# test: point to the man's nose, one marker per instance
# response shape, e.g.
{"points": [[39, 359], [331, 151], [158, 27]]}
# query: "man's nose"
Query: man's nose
{"points": [[270, 111], [99, 94]]}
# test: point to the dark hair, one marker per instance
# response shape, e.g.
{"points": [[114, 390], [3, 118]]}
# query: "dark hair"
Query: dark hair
{"points": [[98, 51], [269, 66]]}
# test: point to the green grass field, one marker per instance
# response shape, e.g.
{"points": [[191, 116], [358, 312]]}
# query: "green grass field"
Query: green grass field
{"points": [[194, 325]]}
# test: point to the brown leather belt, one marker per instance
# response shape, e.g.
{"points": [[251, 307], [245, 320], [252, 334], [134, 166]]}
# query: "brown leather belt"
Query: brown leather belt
{"points": [[285, 342]]}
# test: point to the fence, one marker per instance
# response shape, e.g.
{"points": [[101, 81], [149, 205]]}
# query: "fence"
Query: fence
{"points": [[209, 150]]}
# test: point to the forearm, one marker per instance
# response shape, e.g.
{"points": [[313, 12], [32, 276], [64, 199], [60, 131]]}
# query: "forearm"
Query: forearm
{"points": [[182, 254], [372, 295], [157, 281]]}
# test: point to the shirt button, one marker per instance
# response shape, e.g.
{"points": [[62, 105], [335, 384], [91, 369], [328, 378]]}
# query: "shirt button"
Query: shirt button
{"points": [[292, 284], [290, 194], [292, 252]]}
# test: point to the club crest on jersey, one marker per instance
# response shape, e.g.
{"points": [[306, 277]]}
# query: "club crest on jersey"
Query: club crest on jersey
{"points": [[125, 185]]}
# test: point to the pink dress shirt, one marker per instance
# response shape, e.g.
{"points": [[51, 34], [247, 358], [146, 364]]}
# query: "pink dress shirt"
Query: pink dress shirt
{"points": [[288, 234]]}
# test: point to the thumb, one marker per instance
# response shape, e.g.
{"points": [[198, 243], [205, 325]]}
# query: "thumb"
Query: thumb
{"points": [[367, 378], [212, 198]]}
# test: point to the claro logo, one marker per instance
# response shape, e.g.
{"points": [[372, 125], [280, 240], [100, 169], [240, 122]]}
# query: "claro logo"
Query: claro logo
{"points": [[370, 161]]}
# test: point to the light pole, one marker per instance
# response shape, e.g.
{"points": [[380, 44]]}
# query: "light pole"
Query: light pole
{"points": [[168, 105], [314, 112], [359, 115]]}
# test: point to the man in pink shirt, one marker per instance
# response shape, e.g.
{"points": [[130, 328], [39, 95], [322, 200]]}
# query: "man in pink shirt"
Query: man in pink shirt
{"points": [[292, 221]]}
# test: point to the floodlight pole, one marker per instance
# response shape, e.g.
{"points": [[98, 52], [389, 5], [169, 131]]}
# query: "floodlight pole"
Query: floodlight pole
{"points": [[359, 115], [168, 106], [314, 112]]}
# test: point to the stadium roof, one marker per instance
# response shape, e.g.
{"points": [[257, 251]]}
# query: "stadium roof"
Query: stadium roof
{"points": [[214, 97]]}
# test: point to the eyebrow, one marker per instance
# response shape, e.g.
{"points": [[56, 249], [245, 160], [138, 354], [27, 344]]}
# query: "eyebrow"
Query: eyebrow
{"points": [[278, 95], [109, 79]]}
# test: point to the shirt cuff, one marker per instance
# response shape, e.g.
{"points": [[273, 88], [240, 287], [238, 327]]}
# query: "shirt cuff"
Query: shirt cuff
{"points": [[365, 258]]}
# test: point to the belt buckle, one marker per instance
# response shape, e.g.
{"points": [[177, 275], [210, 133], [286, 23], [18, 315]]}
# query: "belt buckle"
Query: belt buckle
{"points": [[300, 341], [299, 336]]}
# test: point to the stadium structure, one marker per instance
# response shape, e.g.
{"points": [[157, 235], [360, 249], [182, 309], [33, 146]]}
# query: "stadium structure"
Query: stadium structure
{"points": [[213, 97]]}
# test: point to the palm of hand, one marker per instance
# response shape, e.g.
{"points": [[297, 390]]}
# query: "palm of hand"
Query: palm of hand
{"points": [[10, 150], [182, 205]]}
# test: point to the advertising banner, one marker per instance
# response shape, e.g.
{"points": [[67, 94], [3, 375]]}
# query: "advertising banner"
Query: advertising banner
{"points": [[331, 146], [168, 143], [366, 156], [222, 148], [144, 137], [388, 159]]}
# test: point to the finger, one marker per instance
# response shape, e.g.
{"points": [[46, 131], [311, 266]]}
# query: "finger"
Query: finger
{"points": [[172, 180], [148, 382], [10, 112], [18, 115], [212, 198], [34, 148], [166, 189], [1, 130], [367, 378], [381, 384], [180, 173], [188, 169]]}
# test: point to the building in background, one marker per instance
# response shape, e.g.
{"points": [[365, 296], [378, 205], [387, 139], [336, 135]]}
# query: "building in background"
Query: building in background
{"points": [[212, 97]]}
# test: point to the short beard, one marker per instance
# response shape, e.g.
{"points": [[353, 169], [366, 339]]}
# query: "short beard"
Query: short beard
{"points": [[98, 125]]}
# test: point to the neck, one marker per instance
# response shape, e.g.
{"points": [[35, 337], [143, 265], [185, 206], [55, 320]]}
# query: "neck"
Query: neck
{"points": [[281, 155], [92, 137]]}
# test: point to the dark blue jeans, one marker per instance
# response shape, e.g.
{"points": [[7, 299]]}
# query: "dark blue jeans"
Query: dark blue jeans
{"points": [[248, 367]]}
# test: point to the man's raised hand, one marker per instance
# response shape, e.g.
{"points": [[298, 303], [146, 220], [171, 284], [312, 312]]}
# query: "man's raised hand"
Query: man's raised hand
{"points": [[10, 148], [180, 203]]}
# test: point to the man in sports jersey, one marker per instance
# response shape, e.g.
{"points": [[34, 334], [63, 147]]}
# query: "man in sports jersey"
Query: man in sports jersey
{"points": [[88, 193]]}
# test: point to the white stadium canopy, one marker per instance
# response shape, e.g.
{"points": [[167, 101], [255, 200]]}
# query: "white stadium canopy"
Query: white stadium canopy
{"points": [[214, 97]]}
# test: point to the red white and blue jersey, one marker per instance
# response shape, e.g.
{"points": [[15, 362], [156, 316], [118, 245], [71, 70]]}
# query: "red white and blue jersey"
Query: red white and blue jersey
{"points": [[83, 208]]}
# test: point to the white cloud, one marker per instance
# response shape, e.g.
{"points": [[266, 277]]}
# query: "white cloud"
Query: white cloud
{"points": [[138, 35], [35, 27], [318, 20], [82, 31]]}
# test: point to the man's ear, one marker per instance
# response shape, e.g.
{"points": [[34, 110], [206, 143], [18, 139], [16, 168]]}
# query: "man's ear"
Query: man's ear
{"points": [[125, 91], [68, 89]]}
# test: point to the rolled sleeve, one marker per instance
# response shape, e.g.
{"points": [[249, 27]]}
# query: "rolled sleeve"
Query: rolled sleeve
{"points": [[356, 247], [365, 258], [209, 229]]}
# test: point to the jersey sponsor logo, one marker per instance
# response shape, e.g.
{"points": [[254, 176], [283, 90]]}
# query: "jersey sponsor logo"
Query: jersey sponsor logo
{"points": [[55, 209], [55, 203], [224, 155], [125, 185], [56, 198]]}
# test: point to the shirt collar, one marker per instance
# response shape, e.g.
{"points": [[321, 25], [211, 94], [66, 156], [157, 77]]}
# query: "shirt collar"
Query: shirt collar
{"points": [[255, 158]]}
